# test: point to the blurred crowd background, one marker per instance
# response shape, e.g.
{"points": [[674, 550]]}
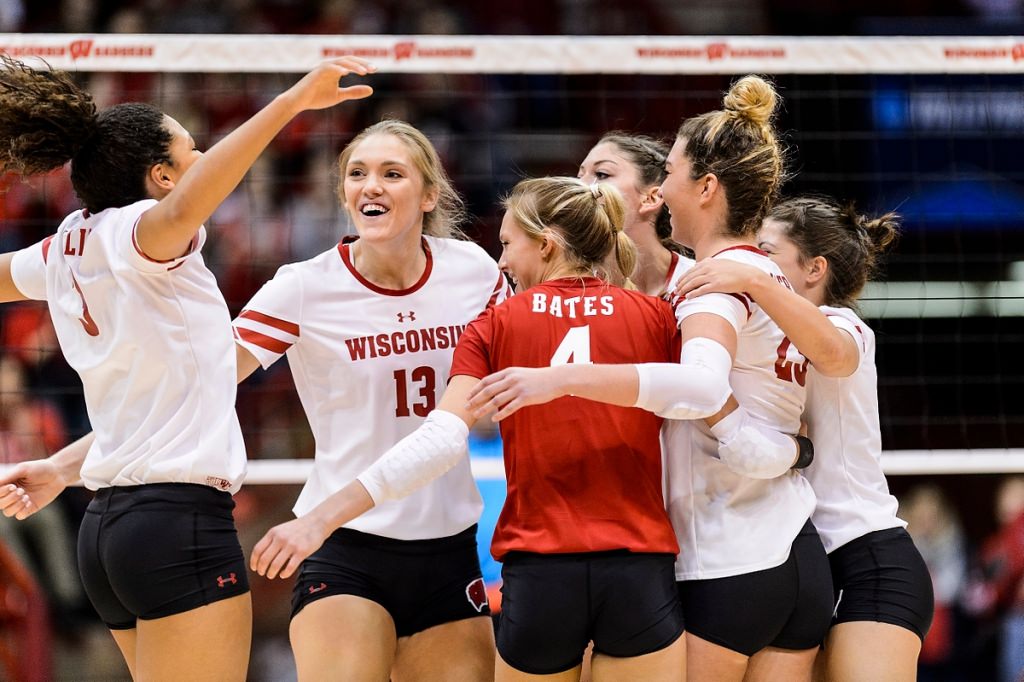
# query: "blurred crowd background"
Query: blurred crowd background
{"points": [[946, 382]]}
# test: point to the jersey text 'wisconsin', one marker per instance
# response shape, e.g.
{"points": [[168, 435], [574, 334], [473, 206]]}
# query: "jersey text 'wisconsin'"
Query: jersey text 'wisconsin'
{"points": [[402, 342]]}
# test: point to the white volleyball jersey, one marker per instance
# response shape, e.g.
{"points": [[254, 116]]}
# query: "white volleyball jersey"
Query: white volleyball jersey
{"points": [[728, 524], [369, 364], [676, 269], [152, 344], [842, 421]]}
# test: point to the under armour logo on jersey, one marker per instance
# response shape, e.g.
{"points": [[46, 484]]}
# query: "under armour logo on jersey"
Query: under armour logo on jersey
{"points": [[222, 581], [313, 589], [410, 316]]}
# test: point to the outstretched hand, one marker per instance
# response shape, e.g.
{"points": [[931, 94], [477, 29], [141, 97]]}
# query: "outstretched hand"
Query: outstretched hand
{"points": [[511, 389], [319, 89], [28, 487], [287, 545], [716, 275]]}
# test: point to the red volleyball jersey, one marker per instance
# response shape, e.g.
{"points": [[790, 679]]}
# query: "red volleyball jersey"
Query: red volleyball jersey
{"points": [[582, 476]]}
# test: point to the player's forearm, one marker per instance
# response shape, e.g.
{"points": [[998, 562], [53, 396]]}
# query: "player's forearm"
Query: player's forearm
{"points": [[806, 326], [8, 290], [347, 504], [69, 459], [611, 384]]}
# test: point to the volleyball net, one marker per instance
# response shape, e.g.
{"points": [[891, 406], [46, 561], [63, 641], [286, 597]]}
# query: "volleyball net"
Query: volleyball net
{"points": [[930, 127]]}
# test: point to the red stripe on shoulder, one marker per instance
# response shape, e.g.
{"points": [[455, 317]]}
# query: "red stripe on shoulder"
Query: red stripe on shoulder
{"points": [[262, 340], [275, 322], [138, 249], [46, 248], [745, 300]]}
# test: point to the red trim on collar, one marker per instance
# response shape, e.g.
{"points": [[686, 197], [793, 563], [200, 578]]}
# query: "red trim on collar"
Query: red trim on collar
{"points": [[743, 247], [346, 258]]}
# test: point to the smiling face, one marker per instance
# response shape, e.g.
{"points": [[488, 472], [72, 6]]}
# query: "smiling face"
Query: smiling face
{"points": [[681, 194], [520, 254], [384, 191]]}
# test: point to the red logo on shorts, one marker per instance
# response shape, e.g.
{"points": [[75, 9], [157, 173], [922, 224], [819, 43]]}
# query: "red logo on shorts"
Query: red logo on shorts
{"points": [[313, 589], [222, 581], [476, 593]]}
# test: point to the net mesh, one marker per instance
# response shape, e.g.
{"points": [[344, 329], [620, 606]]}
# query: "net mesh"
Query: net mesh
{"points": [[942, 149]]}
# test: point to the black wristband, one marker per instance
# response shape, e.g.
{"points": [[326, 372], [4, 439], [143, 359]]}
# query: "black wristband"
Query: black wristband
{"points": [[806, 455]]}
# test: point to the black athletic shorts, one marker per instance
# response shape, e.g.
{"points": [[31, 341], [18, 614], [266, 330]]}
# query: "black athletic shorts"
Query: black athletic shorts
{"points": [[788, 606], [150, 551], [421, 583], [553, 605], [880, 577]]}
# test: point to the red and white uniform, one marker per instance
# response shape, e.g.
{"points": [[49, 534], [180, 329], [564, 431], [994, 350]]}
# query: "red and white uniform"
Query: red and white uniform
{"points": [[582, 476], [152, 344], [842, 420], [369, 364], [728, 524], [677, 268]]}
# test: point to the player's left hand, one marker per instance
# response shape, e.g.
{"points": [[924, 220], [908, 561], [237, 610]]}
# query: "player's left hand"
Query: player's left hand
{"points": [[511, 389], [713, 275], [287, 545]]}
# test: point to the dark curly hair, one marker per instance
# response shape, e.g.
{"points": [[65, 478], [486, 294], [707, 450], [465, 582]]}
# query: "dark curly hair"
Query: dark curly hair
{"points": [[46, 120]]}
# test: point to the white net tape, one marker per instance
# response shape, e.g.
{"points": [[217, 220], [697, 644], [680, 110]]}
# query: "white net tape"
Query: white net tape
{"points": [[524, 54]]}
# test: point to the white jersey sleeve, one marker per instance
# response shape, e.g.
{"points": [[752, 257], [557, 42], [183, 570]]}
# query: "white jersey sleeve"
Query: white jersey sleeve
{"points": [[28, 269], [128, 244], [852, 328], [270, 323], [733, 308]]}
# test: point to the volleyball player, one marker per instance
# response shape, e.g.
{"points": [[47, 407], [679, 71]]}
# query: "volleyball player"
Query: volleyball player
{"points": [[369, 327], [635, 165], [881, 584], [593, 497], [753, 575], [574, 485], [140, 318]]}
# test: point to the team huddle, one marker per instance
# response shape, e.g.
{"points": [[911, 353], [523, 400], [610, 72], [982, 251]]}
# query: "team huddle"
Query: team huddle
{"points": [[685, 393]]}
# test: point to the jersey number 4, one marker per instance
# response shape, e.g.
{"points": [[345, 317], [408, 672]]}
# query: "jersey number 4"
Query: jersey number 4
{"points": [[574, 348], [424, 381]]}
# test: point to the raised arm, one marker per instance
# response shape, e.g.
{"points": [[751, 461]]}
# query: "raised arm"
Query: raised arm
{"points": [[424, 455], [832, 351], [166, 230]]}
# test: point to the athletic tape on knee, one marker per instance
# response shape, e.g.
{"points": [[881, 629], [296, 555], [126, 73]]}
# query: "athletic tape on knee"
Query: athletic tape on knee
{"points": [[695, 388], [427, 453]]}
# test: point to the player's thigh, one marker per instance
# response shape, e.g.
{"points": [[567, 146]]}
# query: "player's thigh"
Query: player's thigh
{"points": [[210, 642], [343, 637], [772, 663], [664, 665], [503, 672], [126, 641], [893, 653], [710, 662], [459, 651]]}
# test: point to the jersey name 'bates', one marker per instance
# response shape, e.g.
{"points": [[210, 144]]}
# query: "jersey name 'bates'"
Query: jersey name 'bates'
{"points": [[573, 306]]}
